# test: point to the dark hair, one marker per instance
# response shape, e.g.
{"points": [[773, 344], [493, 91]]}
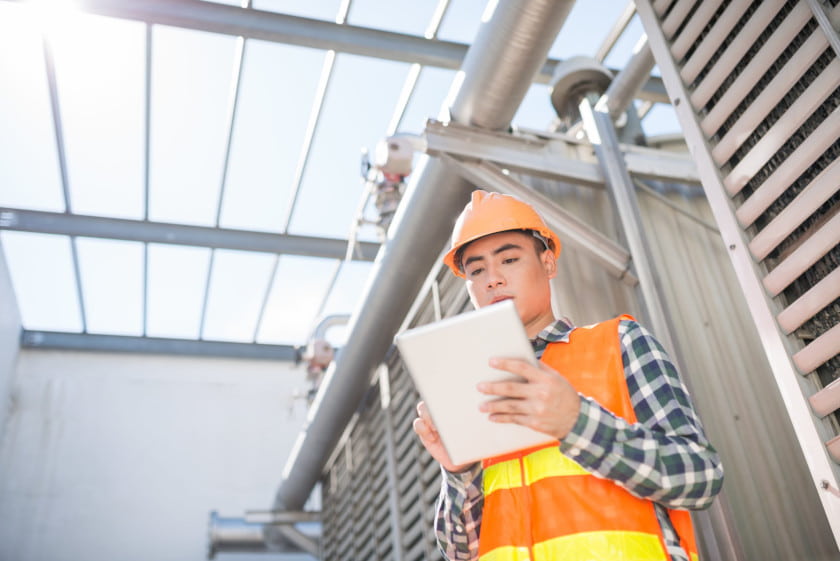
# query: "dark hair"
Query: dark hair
{"points": [[540, 245]]}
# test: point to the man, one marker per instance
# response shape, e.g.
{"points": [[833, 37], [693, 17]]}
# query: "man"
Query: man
{"points": [[630, 456]]}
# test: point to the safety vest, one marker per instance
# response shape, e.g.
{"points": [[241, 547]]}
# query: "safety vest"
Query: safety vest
{"points": [[540, 505]]}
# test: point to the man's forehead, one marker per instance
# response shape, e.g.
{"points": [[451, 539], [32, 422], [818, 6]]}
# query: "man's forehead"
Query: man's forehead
{"points": [[494, 242]]}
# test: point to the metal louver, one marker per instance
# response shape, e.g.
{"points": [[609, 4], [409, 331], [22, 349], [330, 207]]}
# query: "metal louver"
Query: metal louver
{"points": [[756, 86]]}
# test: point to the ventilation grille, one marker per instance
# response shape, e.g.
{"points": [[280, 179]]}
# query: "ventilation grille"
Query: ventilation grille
{"points": [[765, 84], [380, 490]]}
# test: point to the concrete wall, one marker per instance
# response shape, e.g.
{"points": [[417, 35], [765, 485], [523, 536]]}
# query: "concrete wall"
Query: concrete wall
{"points": [[9, 340], [113, 456]]}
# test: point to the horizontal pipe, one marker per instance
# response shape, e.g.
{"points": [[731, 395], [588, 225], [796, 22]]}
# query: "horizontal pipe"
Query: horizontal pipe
{"points": [[234, 534], [815, 299], [818, 351], [809, 252], [623, 88]]}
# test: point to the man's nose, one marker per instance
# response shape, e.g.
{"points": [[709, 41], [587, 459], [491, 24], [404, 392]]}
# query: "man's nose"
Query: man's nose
{"points": [[494, 277]]}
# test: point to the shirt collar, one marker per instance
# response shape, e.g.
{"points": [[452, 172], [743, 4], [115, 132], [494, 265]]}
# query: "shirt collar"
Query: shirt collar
{"points": [[556, 332]]}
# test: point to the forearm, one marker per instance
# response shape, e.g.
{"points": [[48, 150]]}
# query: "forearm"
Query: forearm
{"points": [[664, 456], [458, 518], [679, 469]]}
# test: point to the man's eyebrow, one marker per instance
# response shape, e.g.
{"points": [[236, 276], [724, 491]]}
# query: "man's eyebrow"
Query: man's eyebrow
{"points": [[496, 251]]}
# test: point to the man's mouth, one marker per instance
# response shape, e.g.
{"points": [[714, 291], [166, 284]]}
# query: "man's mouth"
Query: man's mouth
{"points": [[498, 299]]}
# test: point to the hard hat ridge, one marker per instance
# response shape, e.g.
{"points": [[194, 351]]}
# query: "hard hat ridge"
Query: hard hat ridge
{"points": [[490, 213]]}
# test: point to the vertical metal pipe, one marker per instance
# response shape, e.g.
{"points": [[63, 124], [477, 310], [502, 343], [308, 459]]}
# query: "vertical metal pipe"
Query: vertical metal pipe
{"points": [[713, 525], [601, 132]]}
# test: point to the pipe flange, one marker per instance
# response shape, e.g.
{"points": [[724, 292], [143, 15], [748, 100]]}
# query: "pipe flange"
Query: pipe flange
{"points": [[574, 79]]}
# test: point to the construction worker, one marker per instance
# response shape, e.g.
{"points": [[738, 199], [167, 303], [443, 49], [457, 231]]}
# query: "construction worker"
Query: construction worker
{"points": [[631, 457]]}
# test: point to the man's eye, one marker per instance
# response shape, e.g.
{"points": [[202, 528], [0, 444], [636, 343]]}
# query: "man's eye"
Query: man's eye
{"points": [[511, 260], [475, 271]]}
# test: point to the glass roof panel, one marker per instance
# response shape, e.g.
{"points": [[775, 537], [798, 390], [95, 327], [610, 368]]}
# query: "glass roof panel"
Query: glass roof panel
{"points": [[315, 9], [462, 20], [577, 36], [177, 276], [400, 17], [427, 100], [191, 87], [41, 267], [536, 111], [277, 88], [298, 290], [625, 46], [661, 119], [238, 284], [112, 285], [29, 172], [356, 113], [349, 286], [101, 93]]}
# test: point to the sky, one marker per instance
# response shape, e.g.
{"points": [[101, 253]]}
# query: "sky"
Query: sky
{"points": [[203, 171]]}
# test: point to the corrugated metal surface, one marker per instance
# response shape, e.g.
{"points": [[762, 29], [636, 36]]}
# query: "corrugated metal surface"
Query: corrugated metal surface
{"points": [[768, 492]]}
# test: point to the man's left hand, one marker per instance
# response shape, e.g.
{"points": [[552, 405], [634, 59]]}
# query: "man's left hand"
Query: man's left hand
{"points": [[544, 401]]}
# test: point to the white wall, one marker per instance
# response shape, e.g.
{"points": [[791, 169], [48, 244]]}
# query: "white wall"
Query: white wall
{"points": [[9, 339], [114, 456]]}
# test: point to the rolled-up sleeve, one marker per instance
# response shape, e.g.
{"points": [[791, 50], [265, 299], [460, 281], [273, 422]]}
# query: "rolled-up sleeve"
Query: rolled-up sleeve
{"points": [[458, 519]]}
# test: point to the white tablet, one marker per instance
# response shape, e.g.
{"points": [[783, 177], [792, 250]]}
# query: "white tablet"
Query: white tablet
{"points": [[447, 359]]}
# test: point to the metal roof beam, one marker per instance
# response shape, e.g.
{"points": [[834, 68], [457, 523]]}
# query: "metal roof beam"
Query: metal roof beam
{"points": [[546, 156], [155, 345], [313, 33], [179, 234]]}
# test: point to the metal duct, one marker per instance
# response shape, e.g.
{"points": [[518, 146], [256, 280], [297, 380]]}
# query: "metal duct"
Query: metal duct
{"points": [[509, 49]]}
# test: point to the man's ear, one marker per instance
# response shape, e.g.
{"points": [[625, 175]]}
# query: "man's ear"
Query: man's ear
{"points": [[549, 262]]}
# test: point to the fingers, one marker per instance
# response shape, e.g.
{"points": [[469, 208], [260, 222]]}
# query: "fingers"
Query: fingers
{"points": [[423, 425]]}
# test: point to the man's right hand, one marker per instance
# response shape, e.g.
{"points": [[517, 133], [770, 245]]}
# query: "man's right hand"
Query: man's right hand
{"points": [[429, 436]]}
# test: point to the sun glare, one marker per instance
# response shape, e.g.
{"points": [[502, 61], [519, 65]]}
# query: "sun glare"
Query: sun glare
{"points": [[53, 14]]}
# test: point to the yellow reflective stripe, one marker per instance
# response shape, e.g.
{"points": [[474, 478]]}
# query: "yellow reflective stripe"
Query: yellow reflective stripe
{"points": [[506, 553], [550, 462], [695, 557], [601, 546], [503, 475]]}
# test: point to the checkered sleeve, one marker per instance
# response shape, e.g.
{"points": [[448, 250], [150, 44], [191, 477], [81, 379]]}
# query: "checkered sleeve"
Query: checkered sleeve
{"points": [[458, 518], [665, 456]]}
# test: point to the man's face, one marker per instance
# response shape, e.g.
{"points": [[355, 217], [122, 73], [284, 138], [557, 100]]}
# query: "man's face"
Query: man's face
{"points": [[507, 266]]}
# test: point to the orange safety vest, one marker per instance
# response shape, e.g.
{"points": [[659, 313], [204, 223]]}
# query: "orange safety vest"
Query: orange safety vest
{"points": [[540, 505]]}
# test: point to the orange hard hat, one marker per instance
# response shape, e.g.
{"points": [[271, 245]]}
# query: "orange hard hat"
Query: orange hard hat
{"points": [[491, 213]]}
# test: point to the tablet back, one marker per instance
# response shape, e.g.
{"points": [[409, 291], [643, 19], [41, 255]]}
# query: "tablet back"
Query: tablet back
{"points": [[447, 359]]}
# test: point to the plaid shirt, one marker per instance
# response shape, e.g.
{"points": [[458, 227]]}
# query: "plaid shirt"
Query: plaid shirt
{"points": [[664, 457]]}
